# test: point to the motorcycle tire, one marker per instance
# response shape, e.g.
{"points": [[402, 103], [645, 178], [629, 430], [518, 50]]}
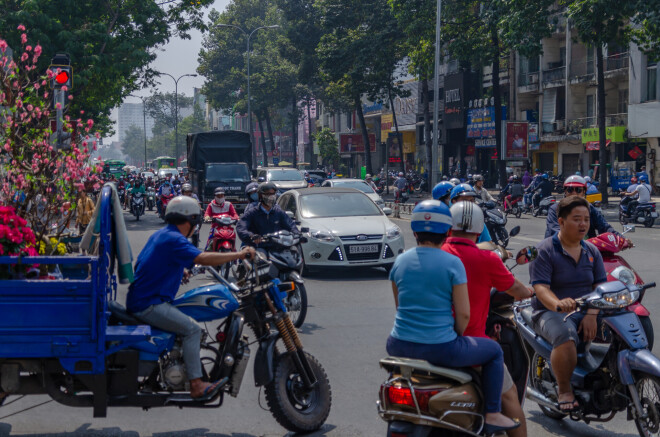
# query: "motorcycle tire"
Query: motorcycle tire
{"points": [[298, 314], [535, 212], [536, 383], [622, 219], [297, 409], [502, 236], [517, 211], [648, 426], [648, 221], [647, 324]]}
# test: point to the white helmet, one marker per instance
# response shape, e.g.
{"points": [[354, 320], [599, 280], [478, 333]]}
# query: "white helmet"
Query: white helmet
{"points": [[400, 174], [182, 207], [467, 217], [454, 181]]}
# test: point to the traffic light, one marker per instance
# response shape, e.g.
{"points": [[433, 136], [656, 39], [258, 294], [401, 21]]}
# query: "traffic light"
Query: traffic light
{"points": [[60, 65]]}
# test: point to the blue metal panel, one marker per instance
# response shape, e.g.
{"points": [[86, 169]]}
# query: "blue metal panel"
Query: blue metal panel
{"points": [[204, 304]]}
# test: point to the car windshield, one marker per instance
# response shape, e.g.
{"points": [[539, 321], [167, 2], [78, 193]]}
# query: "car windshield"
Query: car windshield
{"points": [[227, 172], [358, 185], [165, 171], [285, 175], [337, 205]]}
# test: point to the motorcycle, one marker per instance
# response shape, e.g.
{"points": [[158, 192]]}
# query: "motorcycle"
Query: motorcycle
{"points": [[164, 200], [644, 213], [495, 222], [285, 255], [137, 205], [122, 196], [618, 269], [616, 372], [544, 206], [222, 239], [513, 207], [419, 399], [151, 198]]}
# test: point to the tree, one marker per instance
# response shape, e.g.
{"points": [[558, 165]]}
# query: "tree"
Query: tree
{"points": [[328, 147], [111, 43], [194, 123], [162, 107], [357, 54], [133, 144]]}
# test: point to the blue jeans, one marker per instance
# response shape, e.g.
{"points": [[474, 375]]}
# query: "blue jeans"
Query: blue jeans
{"points": [[461, 352], [168, 318]]}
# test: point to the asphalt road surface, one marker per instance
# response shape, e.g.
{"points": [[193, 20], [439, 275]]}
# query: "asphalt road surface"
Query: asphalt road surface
{"points": [[350, 315]]}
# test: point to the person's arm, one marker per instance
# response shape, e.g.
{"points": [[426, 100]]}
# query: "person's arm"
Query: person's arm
{"points": [[244, 224], [395, 292], [518, 291], [599, 223], [217, 258], [551, 223], [461, 301], [232, 212], [551, 301]]}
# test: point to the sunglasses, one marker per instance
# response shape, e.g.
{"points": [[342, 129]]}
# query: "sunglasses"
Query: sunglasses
{"points": [[577, 190]]}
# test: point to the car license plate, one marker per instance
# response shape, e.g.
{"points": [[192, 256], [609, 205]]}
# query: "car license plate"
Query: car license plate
{"points": [[654, 214], [364, 248]]}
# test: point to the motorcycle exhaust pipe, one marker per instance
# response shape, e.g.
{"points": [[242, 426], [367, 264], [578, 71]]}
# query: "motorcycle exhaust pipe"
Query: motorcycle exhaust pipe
{"points": [[535, 396]]}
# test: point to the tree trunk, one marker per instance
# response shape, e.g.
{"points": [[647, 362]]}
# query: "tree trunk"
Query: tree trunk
{"points": [[270, 133], [310, 142], [261, 138], [294, 129], [602, 152], [428, 141], [396, 129], [365, 135], [501, 164]]}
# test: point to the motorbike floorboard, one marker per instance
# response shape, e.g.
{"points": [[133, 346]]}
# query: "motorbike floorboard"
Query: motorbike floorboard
{"points": [[164, 400]]}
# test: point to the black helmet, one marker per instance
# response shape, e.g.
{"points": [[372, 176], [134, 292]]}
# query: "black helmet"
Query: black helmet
{"points": [[251, 188], [267, 186], [219, 190]]}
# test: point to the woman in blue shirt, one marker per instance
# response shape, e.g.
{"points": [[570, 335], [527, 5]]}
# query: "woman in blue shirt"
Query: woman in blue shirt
{"points": [[424, 295]]}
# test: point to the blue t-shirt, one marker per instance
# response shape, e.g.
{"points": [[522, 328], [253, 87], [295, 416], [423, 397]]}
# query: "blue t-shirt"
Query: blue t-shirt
{"points": [[425, 278], [484, 237], [159, 269]]}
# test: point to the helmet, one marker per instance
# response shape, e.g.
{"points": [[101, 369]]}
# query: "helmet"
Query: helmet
{"points": [[441, 190], [633, 180], [587, 179], [368, 176], [515, 177], [510, 178], [575, 181], [431, 216], [454, 181], [186, 187], [577, 173], [400, 174], [183, 207], [644, 178], [467, 217], [219, 190], [251, 188], [462, 190], [545, 176], [266, 186], [477, 177]]}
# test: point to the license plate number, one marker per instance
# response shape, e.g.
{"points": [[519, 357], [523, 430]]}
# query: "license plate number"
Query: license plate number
{"points": [[654, 214], [364, 248]]}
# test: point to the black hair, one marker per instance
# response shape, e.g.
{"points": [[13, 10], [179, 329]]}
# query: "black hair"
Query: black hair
{"points": [[430, 237], [568, 204]]}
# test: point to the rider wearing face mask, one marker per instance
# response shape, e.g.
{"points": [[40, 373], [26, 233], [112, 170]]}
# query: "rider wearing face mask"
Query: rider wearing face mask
{"points": [[219, 207], [252, 193], [265, 218]]}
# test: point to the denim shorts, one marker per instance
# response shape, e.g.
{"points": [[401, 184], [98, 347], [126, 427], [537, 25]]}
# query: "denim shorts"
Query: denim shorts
{"points": [[551, 326]]}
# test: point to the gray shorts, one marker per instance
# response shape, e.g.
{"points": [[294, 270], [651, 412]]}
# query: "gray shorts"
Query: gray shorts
{"points": [[507, 381], [551, 326]]}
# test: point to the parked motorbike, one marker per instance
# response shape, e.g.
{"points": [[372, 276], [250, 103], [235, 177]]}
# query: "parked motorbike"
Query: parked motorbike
{"points": [[644, 213], [544, 206], [137, 205], [495, 221], [616, 372], [222, 239], [618, 269], [151, 198], [419, 399]]}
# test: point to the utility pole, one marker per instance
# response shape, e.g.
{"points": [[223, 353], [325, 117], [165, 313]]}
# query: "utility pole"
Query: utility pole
{"points": [[433, 171], [176, 111]]}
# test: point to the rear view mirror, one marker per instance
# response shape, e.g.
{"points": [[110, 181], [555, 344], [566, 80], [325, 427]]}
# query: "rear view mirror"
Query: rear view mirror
{"points": [[387, 211], [515, 231], [526, 255], [261, 179], [304, 230]]}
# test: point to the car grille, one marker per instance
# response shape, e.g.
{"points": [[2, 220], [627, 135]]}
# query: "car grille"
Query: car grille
{"points": [[363, 256], [354, 237]]}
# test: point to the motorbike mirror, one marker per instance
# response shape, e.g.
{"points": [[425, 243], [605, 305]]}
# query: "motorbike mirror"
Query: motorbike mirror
{"points": [[515, 231], [290, 214], [304, 230], [526, 255], [303, 239], [387, 211], [261, 179], [628, 228]]}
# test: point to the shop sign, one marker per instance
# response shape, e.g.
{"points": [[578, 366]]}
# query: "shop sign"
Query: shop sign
{"points": [[533, 134], [372, 108], [454, 96], [534, 146], [615, 134], [386, 125], [470, 150], [481, 122], [635, 153], [516, 134], [485, 142], [515, 163], [595, 145], [352, 143]]}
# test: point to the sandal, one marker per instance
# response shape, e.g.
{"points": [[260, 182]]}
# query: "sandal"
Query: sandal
{"points": [[575, 405]]}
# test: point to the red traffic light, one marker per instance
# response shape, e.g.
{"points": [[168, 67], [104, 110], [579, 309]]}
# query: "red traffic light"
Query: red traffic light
{"points": [[62, 78]]}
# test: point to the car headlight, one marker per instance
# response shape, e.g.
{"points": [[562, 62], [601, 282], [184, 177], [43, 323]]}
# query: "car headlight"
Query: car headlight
{"points": [[321, 235], [611, 301], [393, 232], [624, 274]]}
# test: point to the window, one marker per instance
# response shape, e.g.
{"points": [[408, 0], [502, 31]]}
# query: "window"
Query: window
{"points": [[623, 102], [652, 79], [591, 110]]}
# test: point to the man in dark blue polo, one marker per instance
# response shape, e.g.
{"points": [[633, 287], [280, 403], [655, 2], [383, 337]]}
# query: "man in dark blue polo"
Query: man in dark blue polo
{"points": [[566, 268], [264, 219]]}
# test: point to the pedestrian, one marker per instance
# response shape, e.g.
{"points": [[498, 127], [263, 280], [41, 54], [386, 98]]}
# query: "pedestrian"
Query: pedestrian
{"points": [[84, 211], [526, 179]]}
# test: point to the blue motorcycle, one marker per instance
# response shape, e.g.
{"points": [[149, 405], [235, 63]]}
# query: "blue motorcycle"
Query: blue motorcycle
{"points": [[616, 372]]}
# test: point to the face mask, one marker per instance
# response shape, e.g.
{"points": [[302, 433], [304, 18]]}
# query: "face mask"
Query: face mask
{"points": [[254, 197], [220, 200], [269, 201]]}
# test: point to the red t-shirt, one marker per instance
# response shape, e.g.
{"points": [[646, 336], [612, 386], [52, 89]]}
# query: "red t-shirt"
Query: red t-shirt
{"points": [[484, 270]]}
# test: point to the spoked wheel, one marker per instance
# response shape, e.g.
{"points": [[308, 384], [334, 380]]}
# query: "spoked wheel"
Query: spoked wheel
{"points": [[648, 388], [622, 218], [503, 236], [296, 305], [649, 221], [294, 407], [537, 383], [517, 211]]}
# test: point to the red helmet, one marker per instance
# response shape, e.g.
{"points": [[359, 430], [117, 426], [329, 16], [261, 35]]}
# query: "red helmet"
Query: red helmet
{"points": [[575, 181], [633, 180]]}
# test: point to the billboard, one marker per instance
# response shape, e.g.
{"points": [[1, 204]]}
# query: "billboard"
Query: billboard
{"points": [[516, 139], [352, 143], [481, 122], [454, 101]]}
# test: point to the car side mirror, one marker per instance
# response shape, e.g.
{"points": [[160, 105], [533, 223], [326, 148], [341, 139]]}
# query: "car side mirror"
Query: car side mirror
{"points": [[387, 211], [290, 214]]}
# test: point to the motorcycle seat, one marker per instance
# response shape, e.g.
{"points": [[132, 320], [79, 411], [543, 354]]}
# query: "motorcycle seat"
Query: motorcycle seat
{"points": [[526, 314], [119, 314], [408, 366]]}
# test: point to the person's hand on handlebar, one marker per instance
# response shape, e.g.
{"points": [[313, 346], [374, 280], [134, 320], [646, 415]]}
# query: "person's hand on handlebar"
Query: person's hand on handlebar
{"points": [[566, 305], [257, 239], [207, 219], [247, 253]]}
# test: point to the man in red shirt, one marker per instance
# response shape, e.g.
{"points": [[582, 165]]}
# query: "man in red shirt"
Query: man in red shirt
{"points": [[484, 270]]}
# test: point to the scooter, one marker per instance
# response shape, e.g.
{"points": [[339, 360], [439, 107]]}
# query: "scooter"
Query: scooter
{"points": [[544, 206], [616, 372], [644, 213], [151, 198], [164, 200], [222, 239], [495, 221], [513, 206], [618, 269], [137, 205]]}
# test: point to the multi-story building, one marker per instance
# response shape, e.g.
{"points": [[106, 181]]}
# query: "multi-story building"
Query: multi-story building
{"points": [[131, 114]]}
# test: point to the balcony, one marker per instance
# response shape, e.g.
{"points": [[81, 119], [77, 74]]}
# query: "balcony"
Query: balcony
{"points": [[584, 71], [555, 127], [617, 65], [554, 77], [528, 82], [576, 125], [559, 21]]}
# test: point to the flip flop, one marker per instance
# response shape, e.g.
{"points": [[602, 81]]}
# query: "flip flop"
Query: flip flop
{"points": [[212, 391], [569, 410]]}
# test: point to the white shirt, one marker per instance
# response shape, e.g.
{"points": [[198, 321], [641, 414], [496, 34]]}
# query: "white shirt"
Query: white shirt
{"points": [[631, 188], [643, 193]]}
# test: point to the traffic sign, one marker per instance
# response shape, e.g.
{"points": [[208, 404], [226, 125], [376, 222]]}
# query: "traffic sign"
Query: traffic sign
{"points": [[276, 161]]}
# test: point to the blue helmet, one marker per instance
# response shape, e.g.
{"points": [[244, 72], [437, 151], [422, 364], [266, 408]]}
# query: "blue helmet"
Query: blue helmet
{"points": [[545, 176], [441, 190], [431, 216], [644, 178], [462, 190]]}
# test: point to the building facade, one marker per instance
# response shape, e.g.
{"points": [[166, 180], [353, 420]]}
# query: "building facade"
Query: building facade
{"points": [[131, 114]]}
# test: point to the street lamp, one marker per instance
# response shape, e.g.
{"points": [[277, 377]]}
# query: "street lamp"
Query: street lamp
{"points": [[176, 111], [144, 120], [249, 110], [433, 174]]}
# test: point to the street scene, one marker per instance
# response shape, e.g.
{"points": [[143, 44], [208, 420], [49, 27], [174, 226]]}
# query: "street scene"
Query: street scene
{"points": [[401, 218]]}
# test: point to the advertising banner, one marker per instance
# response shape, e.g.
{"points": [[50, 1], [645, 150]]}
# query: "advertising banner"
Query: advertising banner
{"points": [[454, 101], [515, 146], [533, 133], [352, 143], [481, 122], [615, 134]]}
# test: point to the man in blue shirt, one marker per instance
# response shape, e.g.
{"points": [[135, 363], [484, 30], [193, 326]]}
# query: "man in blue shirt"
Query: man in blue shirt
{"points": [[159, 271]]}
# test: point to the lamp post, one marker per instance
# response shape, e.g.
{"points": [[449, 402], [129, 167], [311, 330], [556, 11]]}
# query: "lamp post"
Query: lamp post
{"points": [[433, 174], [176, 111], [249, 107]]}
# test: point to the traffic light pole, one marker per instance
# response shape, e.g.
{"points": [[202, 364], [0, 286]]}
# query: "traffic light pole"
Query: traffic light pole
{"points": [[59, 96]]}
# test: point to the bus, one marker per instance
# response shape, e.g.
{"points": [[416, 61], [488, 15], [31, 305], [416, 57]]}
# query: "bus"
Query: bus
{"points": [[164, 162], [114, 167]]}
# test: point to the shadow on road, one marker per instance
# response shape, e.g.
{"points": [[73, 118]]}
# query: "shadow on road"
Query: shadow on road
{"points": [[569, 428], [343, 274]]}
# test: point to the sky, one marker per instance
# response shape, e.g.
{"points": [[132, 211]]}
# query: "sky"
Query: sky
{"points": [[178, 57]]}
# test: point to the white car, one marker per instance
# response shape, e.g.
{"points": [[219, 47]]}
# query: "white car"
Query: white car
{"points": [[358, 184], [343, 227], [284, 178]]}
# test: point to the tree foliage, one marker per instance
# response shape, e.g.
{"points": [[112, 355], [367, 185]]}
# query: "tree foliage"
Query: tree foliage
{"points": [[328, 147], [133, 145], [162, 107]]}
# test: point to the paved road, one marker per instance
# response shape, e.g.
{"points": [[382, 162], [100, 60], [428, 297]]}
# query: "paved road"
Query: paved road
{"points": [[350, 316]]}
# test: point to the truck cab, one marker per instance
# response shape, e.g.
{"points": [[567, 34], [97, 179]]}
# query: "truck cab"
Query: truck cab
{"points": [[232, 176]]}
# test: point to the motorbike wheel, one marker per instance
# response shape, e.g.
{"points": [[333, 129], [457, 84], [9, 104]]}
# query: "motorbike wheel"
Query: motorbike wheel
{"points": [[294, 407], [622, 218], [648, 221], [536, 383], [296, 305], [648, 388], [647, 324], [503, 236], [535, 212]]}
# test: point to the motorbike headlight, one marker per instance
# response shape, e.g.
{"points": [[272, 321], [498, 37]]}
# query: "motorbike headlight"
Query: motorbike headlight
{"points": [[611, 301], [321, 235], [393, 232], [624, 274]]}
